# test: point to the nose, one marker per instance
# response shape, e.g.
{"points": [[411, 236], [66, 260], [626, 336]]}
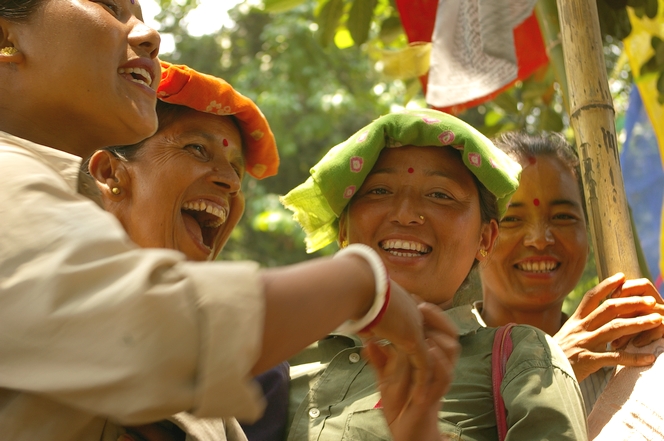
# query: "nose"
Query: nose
{"points": [[539, 236], [144, 37], [406, 210], [224, 175]]}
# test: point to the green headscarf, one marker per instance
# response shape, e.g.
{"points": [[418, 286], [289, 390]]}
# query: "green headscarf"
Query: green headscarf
{"points": [[318, 202]]}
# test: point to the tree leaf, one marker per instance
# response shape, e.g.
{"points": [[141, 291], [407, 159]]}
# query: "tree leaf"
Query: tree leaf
{"points": [[328, 21], [280, 5], [359, 20], [343, 39]]}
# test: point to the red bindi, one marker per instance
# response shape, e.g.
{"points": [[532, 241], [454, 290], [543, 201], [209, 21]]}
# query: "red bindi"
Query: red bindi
{"points": [[532, 160], [536, 202], [410, 170], [225, 142]]}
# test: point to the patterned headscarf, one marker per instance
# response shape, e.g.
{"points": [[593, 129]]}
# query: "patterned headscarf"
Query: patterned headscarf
{"points": [[318, 202], [206, 93]]}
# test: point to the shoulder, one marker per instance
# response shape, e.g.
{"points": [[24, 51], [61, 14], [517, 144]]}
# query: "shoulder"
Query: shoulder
{"points": [[533, 349]]}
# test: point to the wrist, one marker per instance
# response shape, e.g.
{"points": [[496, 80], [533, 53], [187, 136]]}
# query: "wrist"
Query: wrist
{"points": [[381, 290]]}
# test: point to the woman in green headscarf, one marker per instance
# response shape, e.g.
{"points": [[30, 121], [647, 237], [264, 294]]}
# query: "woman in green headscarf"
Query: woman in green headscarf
{"points": [[425, 191]]}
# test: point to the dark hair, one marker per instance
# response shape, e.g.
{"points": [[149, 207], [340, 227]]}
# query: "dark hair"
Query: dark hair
{"points": [[521, 146], [18, 10]]}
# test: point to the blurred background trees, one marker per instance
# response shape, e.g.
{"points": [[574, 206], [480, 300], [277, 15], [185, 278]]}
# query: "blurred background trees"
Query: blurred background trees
{"points": [[320, 70]]}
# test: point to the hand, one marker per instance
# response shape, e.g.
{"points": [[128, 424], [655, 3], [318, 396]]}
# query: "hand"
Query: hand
{"points": [[413, 414], [611, 312], [403, 326]]}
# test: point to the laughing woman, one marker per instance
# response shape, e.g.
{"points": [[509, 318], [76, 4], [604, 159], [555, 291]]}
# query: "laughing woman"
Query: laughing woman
{"points": [[95, 331], [425, 191], [539, 258]]}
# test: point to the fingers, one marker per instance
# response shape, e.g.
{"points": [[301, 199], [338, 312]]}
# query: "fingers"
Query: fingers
{"points": [[605, 289], [639, 287], [621, 328], [649, 336]]}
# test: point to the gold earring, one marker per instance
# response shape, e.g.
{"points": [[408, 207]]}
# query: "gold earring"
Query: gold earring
{"points": [[484, 252], [115, 190], [9, 50], [344, 243]]}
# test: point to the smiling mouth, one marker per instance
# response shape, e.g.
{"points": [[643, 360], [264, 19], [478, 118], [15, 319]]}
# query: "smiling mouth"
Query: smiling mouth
{"points": [[137, 75], [538, 267], [405, 248], [206, 220]]}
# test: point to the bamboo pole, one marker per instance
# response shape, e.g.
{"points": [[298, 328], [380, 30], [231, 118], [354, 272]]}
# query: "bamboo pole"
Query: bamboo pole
{"points": [[592, 117]]}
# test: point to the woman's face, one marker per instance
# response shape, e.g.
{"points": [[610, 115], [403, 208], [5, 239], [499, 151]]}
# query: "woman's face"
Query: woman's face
{"points": [[542, 246], [184, 186], [90, 67], [419, 209]]}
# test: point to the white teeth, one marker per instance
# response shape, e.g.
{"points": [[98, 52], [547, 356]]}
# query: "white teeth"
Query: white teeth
{"points": [[220, 213], [397, 247], [538, 267], [145, 79]]}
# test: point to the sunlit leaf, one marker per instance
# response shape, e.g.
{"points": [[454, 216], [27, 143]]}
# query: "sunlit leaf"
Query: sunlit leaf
{"points": [[342, 39]]}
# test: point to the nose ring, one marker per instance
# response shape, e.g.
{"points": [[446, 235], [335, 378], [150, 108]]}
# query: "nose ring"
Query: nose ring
{"points": [[421, 217]]}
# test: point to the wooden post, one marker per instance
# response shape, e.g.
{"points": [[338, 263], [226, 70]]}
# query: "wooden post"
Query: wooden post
{"points": [[592, 117]]}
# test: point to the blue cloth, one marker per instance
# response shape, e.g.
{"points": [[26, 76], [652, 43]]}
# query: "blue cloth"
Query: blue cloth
{"points": [[272, 425], [644, 179]]}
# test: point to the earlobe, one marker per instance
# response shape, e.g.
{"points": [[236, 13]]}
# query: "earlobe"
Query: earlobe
{"points": [[487, 240]]}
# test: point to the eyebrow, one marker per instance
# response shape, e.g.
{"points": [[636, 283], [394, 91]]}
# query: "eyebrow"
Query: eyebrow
{"points": [[388, 170], [555, 202]]}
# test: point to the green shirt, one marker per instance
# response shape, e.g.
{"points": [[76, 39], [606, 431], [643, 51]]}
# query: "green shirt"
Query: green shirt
{"points": [[337, 399]]}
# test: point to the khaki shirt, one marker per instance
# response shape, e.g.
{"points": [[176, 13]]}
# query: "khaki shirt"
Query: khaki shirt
{"points": [[93, 328], [336, 399]]}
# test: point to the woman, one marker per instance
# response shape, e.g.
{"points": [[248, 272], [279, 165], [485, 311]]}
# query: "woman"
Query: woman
{"points": [[94, 328], [192, 143], [539, 258], [425, 191]]}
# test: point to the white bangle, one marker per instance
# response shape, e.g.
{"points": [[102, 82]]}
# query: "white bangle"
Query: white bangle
{"points": [[382, 285]]}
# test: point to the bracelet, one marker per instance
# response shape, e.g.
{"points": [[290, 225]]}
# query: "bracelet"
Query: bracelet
{"points": [[377, 310]]}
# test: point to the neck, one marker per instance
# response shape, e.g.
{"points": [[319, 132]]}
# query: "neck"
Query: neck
{"points": [[548, 320]]}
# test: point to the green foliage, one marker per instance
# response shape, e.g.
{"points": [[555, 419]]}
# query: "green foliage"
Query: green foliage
{"points": [[316, 95]]}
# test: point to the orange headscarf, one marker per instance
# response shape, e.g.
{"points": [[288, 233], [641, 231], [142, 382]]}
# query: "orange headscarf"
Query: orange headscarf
{"points": [[206, 93]]}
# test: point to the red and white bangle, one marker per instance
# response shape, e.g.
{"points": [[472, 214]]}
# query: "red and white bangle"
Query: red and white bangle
{"points": [[382, 296]]}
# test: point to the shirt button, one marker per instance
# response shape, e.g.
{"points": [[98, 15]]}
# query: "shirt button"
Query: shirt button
{"points": [[354, 357], [314, 413]]}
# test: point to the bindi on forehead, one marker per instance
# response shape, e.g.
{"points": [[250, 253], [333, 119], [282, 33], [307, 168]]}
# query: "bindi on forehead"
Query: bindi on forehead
{"points": [[411, 170], [225, 142], [532, 160], [536, 202]]}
